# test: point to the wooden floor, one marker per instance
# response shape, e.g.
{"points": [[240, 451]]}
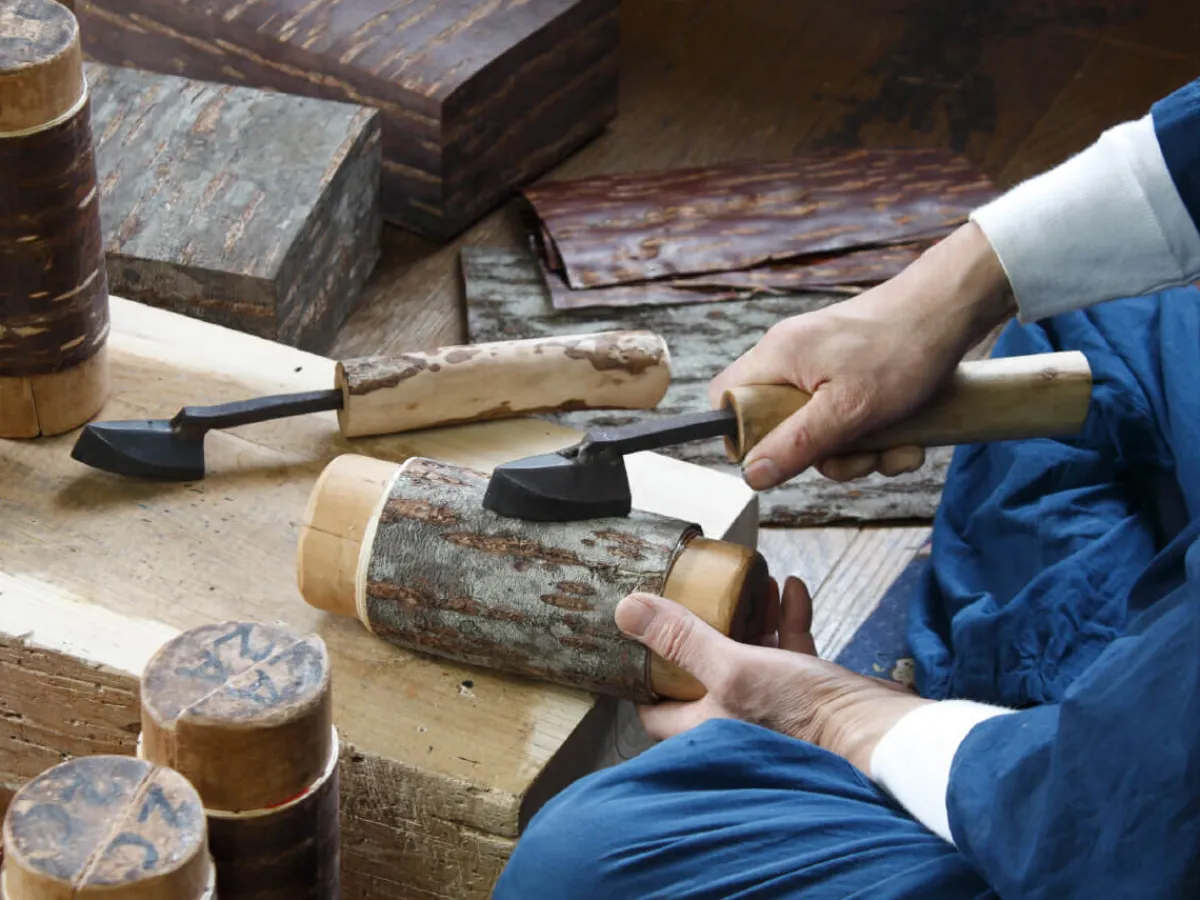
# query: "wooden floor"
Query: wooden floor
{"points": [[1016, 85]]}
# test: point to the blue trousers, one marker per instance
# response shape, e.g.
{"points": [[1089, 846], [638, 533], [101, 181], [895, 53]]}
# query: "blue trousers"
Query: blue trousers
{"points": [[731, 811]]}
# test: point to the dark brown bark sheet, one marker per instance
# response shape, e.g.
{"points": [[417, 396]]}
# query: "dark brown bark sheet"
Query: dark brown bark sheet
{"points": [[640, 226], [506, 299], [848, 272]]}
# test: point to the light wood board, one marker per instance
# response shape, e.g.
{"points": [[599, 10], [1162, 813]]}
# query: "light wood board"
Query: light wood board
{"points": [[96, 571]]}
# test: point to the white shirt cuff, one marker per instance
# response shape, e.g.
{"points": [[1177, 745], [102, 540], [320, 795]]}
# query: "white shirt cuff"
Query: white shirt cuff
{"points": [[912, 762], [1106, 223]]}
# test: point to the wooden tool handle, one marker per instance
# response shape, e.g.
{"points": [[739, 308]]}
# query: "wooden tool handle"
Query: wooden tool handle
{"points": [[477, 382], [1002, 399]]}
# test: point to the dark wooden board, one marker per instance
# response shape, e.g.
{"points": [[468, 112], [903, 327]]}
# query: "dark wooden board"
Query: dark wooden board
{"points": [[477, 96], [507, 299], [245, 208]]}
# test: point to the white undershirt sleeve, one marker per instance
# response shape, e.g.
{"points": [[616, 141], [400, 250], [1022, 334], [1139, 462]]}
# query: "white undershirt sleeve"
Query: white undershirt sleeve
{"points": [[912, 762], [1104, 224]]}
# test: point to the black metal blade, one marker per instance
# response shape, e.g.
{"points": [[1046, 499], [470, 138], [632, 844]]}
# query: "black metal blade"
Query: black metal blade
{"points": [[553, 488], [141, 448], [588, 480]]}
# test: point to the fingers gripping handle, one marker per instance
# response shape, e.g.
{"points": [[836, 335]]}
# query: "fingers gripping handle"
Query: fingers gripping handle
{"points": [[1008, 398], [478, 382]]}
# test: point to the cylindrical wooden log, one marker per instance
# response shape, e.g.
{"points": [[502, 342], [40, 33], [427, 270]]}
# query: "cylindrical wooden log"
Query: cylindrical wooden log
{"points": [[106, 826], [413, 555], [54, 311], [476, 382], [244, 710]]}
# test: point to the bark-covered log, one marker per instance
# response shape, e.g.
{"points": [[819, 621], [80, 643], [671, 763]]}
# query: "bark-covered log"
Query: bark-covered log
{"points": [[111, 826], [251, 209], [54, 316], [244, 711], [477, 96], [442, 575], [507, 299], [627, 227]]}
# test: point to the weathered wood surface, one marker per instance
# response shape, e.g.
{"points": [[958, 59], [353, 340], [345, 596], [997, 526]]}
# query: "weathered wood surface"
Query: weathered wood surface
{"points": [[506, 299], [106, 825], [247, 208], [97, 572], [445, 576], [477, 96]]}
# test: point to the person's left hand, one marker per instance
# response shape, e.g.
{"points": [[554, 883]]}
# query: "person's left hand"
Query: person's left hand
{"points": [[781, 684]]}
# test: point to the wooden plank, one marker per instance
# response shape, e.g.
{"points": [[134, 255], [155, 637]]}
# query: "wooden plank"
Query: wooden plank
{"points": [[439, 759], [859, 580], [476, 96], [810, 554], [247, 208], [506, 299]]}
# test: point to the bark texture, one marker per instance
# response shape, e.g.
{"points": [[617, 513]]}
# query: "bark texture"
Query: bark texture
{"points": [[828, 273], [616, 229], [507, 299], [250, 209], [290, 854], [53, 289], [476, 96], [448, 577]]}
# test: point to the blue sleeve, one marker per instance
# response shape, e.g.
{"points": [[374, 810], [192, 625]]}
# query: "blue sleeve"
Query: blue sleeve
{"points": [[1177, 124], [1098, 795]]}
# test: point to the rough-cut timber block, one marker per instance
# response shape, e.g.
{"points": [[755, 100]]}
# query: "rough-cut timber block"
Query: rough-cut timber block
{"points": [[478, 97], [246, 208]]}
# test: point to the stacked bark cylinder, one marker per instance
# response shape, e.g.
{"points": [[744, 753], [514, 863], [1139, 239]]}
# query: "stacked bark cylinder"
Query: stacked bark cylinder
{"points": [[410, 551], [106, 826], [244, 711], [54, 310]]}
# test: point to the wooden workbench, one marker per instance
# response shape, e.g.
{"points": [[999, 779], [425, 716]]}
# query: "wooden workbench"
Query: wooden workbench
{"points": [[441, 763]]}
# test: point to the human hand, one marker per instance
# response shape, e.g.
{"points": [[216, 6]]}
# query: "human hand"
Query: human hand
{"points": [[870, 360], [780, 684]]}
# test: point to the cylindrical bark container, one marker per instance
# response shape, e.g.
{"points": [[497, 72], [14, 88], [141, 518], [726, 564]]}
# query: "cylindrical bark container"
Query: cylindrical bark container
{"points": [[110, 827], [54, 309], [410, 551], [244, 710]]}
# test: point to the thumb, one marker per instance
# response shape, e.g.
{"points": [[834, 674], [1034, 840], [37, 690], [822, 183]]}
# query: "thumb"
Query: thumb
{"points": [[677, 635], [816, 430]]}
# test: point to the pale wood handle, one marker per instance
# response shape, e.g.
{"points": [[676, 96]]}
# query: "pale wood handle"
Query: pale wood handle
{"points": [[478, 382], [1002, 399]]}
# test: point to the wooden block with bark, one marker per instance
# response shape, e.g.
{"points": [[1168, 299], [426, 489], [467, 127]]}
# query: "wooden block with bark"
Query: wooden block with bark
{"points": [[247, 208], [441, 762], [477, 96]]}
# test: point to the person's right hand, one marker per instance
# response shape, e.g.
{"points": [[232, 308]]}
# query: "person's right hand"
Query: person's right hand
{"points": [[871, 360]]}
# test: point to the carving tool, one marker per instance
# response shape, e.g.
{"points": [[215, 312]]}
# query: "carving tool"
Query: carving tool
{"points": [[388, 395], [1008, 398]]}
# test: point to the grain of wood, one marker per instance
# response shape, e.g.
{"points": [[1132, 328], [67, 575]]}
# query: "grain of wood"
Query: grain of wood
{"points": [[251, 209], [445, 767], [862, 575], [808, 553], [506, 300], [476, 96]]}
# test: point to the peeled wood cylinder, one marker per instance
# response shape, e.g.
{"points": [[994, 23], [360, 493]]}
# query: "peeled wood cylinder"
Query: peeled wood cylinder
{"points": [[410, 551], [54, 314], [244, 710], [109, 827]]}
